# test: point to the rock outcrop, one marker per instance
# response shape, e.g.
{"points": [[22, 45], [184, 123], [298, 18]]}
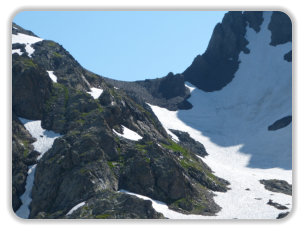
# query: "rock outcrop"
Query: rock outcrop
{"points": [[169, 92], [281, 123], [280, 186]]}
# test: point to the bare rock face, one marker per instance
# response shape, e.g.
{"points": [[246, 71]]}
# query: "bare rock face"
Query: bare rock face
{"points": [[280, 186], [281, 123], [189, 143], [216, 67], [282, 215], [31, 88], [169, 91], [281, 28], [276, 205], [109, 205]]}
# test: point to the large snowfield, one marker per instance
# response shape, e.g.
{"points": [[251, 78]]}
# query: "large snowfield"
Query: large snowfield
{"points": [[44, 141], [232, 125]]}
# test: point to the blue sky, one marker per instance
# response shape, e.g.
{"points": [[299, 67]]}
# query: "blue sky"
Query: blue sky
{"points": [[127, 45]]}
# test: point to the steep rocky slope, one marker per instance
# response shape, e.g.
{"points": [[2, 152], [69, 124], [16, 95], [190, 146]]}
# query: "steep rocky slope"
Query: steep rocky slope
{"points": [[94, 157]]}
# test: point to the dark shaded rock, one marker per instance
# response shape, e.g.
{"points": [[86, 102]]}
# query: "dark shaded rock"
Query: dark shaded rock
{"points": [[254, 19], [67, 109], [18, 29], [216, 67], [106, 98], [19, 46], [171, 174], [189, 143], [169, 92], [281, 123], [282, 215], [154, 175], [74, 169], [31, 87], [288, 56], [168, 87], [279, 186], [32, 158], [280, 27], [52, 56], [21, 158], [116, 205], [276, 205]]}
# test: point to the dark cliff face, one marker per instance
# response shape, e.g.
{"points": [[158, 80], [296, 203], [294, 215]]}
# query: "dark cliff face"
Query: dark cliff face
{"points": [[31, 87], [281, 28], [216, 67]]}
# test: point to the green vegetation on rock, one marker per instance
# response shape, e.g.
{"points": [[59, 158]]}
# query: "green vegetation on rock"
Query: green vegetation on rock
{"points": [[103, 216]]}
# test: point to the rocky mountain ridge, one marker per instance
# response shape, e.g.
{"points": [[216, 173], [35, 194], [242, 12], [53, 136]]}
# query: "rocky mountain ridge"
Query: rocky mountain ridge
{"points": [[89, 162]]}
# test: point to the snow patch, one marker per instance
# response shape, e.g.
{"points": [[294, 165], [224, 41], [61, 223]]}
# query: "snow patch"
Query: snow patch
{"points": [[17, 51], [28, 40], [52, 76], [128, 134], [44, 141], [76, 207], [190, 87], [95, 92]]}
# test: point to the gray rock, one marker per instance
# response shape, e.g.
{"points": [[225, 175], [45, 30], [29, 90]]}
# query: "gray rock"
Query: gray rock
{"points": [[276, 205], [281, 28], [281, 123], [282, 215], [279, 186]]}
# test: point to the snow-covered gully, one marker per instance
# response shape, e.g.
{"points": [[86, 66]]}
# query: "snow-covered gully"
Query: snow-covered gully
{"points": [[232, 125], [44, 141]]}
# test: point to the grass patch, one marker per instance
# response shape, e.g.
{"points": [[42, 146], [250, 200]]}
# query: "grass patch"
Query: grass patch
{"points": [[51, 44], [176, 148], [148, 160], [26, 152], [57, 55], [80, 121], [141, 148], [111, 165], [29, 63], [103, 216], [83, 171]]}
